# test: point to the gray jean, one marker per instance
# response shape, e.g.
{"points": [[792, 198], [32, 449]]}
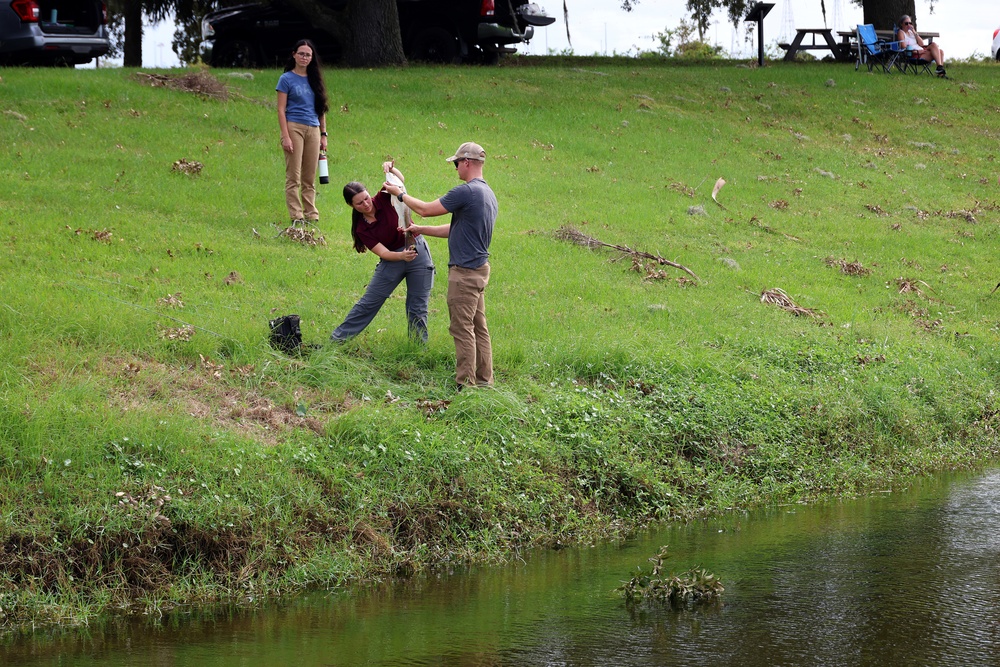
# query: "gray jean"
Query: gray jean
{"points": [[419, 276]]}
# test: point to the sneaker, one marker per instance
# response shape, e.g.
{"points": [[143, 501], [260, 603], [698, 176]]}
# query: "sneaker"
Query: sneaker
{"points": [[940, 72]]}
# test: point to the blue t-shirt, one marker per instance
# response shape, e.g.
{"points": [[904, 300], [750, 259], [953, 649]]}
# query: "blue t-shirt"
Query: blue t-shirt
{"points": [[301, 106], [473, 208]]}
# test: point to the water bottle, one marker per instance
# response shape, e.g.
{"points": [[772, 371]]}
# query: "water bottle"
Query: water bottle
{"points": [[324, 173]]}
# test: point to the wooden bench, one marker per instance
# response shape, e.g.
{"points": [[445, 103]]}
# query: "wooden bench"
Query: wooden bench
{"points": [[828, 43]]}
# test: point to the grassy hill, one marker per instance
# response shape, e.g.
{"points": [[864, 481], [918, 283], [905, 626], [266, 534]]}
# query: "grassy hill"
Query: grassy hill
{"points": [[838, 336]]}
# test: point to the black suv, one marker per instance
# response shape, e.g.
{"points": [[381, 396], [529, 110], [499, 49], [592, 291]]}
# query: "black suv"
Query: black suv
{"points": [[262, 34], [65, 32]]}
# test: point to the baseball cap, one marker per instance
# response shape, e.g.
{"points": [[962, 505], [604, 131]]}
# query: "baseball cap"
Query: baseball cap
{"points": [[469, 150]]}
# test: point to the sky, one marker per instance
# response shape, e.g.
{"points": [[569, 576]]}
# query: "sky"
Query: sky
{"points": [[601, 27]]}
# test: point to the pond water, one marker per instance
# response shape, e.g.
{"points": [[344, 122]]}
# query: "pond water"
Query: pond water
{"points": [[908, 578]]}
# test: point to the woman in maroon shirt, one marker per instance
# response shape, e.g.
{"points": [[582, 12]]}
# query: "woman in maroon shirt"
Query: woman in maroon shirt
{"points": [[376, 226]]}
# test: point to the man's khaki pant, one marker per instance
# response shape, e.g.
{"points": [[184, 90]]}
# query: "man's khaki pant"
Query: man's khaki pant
{"points": [[300, 172], [467, 308]]}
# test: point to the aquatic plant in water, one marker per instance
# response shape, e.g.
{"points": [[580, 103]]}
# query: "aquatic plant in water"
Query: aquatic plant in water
{"points": [[696, 586]]}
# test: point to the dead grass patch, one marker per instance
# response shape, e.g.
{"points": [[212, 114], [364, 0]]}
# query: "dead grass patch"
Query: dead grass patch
{"points": [[172, 301], [304, 236], [865, 359], [185, 333], [101, 235], [911, 286], [205, 392], [199, 83], [189, 167], [848, 268]]}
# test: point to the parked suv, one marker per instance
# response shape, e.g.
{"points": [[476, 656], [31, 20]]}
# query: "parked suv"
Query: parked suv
{"points": [[262, 34], [67, 32]]}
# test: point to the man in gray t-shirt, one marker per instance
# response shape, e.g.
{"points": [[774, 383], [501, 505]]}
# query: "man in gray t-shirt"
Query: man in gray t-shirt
{"points": [[473, 208]]}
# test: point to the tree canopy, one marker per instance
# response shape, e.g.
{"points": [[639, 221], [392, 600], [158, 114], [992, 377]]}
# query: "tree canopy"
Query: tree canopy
{"points": [[883, 14], [126, 22]]}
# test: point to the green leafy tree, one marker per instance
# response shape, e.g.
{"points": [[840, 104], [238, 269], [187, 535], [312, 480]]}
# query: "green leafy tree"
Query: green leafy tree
{"points": [[680, 42]]}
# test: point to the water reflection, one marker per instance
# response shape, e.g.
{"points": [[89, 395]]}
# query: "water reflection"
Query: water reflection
{"points": [[909, 578]]}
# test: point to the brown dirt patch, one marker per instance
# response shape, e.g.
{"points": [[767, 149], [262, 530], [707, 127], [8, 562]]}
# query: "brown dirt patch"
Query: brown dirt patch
{"points": [[205, 391]]}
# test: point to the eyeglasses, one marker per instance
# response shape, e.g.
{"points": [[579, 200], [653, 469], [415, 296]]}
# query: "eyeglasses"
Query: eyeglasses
{"points": [[309, 55], [459, 160], [907, 23]]}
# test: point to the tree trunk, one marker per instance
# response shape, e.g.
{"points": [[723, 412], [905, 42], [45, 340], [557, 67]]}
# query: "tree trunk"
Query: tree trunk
{"points": [[375, 39], [368, 30], [132, 50], [884, 14]]}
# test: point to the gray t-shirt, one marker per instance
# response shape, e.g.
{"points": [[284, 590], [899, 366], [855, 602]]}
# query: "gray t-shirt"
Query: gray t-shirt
{"points": [[473, 208]]}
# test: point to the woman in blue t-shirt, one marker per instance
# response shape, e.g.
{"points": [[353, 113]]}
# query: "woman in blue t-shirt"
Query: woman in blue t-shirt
{"points": [[302, 107], [375, 226]]}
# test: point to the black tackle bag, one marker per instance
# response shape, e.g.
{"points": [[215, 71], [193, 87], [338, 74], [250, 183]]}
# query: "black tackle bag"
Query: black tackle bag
{"points": [[286, 334]]}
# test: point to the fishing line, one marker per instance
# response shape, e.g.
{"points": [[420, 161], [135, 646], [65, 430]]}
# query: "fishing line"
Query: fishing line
{"points": [[149, 310], [133, 287]]}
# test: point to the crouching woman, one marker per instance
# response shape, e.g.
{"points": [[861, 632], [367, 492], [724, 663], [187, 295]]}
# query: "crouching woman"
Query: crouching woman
{"points": [[376, 226]]}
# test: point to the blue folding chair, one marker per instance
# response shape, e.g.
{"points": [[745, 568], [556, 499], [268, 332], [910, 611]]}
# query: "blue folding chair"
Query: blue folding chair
{"points": [[907, 59], [874, 52]]}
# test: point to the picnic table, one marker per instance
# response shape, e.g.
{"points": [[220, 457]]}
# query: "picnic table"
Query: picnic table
{"points": [[828, 43], [849, 41]]}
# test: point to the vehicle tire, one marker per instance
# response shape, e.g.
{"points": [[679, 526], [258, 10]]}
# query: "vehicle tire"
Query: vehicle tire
{"points": [[435, 45], [236, 54]]}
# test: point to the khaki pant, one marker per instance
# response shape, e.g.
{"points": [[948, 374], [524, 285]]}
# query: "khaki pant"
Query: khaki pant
{"points": [[467, 308], [300, 172]]}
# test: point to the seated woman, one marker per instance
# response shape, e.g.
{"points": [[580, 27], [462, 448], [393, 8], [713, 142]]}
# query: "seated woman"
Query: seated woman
{"points": [[375, 225], [911, 41]]}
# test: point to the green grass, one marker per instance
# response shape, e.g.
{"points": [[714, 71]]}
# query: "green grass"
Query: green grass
{"points": [[140, 470]]}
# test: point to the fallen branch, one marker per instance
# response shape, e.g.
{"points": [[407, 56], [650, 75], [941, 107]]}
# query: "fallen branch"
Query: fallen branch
{"points": [[777, 297], [754, 221], [573, 235]]}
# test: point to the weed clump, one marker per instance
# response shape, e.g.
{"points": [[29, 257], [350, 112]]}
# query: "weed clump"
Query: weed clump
{"points": [[694, 587]]}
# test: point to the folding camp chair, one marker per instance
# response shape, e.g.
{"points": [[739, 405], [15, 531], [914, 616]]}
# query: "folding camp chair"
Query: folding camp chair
{"points": [[874, 52], [907, 60]]}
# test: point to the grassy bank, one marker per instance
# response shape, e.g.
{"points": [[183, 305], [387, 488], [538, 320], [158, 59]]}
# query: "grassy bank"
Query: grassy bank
{"points": [[155, 450]]}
